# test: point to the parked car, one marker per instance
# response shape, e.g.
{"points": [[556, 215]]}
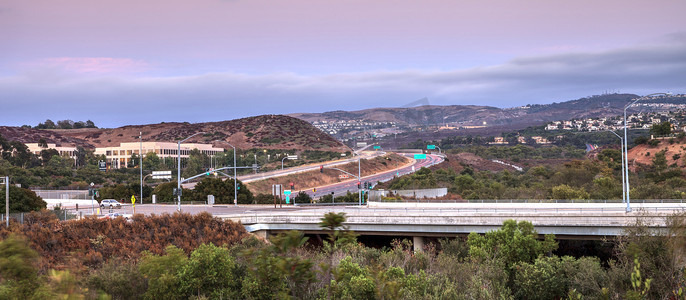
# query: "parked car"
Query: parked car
{"points": [[111, 216], [110, 203]]}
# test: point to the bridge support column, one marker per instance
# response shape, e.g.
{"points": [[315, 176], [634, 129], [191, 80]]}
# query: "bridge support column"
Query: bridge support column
{"points": [[418, 243], [261, 233]]}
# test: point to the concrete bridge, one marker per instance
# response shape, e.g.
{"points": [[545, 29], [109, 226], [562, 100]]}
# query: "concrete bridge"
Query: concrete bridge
{"points": [[421, 220]]}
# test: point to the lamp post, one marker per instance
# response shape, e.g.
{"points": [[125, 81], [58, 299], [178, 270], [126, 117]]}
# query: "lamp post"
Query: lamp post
{"points": [[359, 176], [621, 147], [7, 199], [626, 150], [140, 162], [178, 173], [235, 189]]}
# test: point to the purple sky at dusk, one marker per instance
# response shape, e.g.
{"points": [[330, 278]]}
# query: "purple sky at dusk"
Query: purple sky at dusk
{"points": [[137, 62]]}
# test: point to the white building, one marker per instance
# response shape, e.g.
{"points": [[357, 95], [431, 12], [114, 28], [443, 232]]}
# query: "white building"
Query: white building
{"points": [[118, 157], [64, 151]]}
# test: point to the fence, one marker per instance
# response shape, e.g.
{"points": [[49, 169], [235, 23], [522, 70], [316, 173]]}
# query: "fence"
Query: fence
{"points": [[63, 194], [61, 214], [634, 201]]}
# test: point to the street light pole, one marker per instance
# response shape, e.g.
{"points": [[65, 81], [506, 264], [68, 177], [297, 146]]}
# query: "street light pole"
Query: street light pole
{"points": [[178, 173], [621, 147], [626, 150], [235, 189], [7, 201], [140, 162]]}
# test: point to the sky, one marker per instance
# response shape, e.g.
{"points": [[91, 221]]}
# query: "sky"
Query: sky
{"points": [[140, 62]]}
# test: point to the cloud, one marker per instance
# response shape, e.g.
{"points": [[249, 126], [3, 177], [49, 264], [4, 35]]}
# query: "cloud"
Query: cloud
{"points": [[91, 65], [95, 90]]}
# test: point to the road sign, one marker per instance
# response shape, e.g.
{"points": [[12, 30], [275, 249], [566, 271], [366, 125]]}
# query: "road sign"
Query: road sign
{"points": [[102, 165], [133, 199], [343, 176], [292, 157], [377, 147], [420, 156], [361, 144], [276, 189], [287, 192], [431, 147], [161, 175]]}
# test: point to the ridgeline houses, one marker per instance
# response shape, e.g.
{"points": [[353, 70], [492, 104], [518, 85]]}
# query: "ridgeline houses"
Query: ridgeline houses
{"points": [[673, 113], [637, 120]]}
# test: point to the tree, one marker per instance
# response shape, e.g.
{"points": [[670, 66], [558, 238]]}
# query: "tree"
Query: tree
{"points": [[661, 129], [47, 154], [133, 161], [162, 273], [514, 242], [195, 164], [22, 200], [151, 162], [164, 192], [565, 192], [211, 272], [302, 197], [339, 234], [17, 269], [65, 124]]}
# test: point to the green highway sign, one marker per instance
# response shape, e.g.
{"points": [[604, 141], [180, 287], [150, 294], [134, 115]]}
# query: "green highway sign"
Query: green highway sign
{"points": [[420, 156], [431, 147], [377, 147]]}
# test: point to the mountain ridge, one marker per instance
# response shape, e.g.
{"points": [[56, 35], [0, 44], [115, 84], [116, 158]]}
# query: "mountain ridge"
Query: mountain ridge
{"points": [[264, 131]]}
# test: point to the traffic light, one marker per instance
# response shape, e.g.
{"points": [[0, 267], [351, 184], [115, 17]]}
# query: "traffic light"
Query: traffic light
{"points": [[238, 185], [359, 185], [314, 190], [292, 186], [321, 169]]}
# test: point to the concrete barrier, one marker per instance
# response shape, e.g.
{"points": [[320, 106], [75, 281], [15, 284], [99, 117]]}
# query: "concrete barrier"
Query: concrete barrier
{"points": [[419, 193]]}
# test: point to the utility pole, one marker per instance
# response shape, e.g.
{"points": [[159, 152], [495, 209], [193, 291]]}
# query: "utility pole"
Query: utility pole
{"points": [[140, 162], [178, 173], [7, 201]]}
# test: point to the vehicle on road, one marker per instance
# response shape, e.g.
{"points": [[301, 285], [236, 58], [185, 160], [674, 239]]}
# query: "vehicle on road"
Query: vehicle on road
{"points": [[110, 203], [111, 216]]}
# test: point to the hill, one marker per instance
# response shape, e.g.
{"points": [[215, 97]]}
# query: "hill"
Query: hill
{"points": [[265, 132], [474, 115]]}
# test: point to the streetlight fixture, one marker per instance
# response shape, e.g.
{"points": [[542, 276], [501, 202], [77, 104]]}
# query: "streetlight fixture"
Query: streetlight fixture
{"points": [[291, 157], [178, 174], [626, 149]]}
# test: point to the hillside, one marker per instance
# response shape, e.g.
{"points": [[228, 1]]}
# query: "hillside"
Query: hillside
{"points": [[642, 155], [517, 117], [266, 132]]}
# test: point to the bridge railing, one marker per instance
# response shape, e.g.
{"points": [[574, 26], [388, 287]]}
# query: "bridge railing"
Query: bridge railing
{"points": [[498, 201]]}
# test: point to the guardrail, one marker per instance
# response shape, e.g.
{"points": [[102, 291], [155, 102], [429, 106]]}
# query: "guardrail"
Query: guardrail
{"points": [[633, 201]]}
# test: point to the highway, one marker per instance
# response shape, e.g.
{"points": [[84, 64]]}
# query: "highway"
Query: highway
{"points": [[342, 188], [298, 169]]}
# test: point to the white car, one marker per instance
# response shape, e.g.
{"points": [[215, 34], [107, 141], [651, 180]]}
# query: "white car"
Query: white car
{"points": [[111, 216], [110, 203]]}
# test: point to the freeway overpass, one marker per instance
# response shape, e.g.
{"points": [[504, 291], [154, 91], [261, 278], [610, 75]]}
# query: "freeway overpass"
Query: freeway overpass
{"points": [[421, 220]]}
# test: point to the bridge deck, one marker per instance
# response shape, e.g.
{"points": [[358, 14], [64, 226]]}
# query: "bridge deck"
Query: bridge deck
{"points": [[403, 219]]}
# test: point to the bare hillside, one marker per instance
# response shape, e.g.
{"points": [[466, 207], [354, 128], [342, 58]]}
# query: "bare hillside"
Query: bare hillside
{"points": [[266, 132]]}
